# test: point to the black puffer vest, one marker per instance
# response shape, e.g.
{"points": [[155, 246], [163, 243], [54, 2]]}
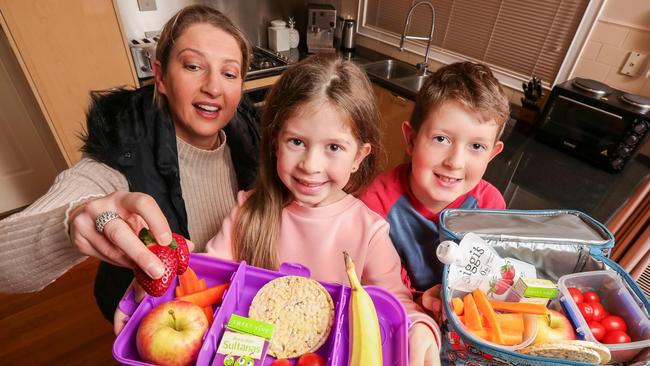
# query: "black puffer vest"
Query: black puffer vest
{"points": [[127, 133]]}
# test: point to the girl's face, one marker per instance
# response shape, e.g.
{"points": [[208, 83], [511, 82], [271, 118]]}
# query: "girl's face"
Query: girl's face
{"points": [[317, 153], [202, 83]]}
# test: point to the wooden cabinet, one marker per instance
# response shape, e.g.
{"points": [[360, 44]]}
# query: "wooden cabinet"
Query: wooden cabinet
{"points": [[394, 110], [66, 49]]}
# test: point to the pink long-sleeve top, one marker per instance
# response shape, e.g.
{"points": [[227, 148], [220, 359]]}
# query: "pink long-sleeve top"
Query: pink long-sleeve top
{"points": [[316, 237]]}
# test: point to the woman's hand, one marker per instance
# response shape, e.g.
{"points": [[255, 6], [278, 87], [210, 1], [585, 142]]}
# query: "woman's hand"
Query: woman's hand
{"points": [[119, 243], [423, 347]]}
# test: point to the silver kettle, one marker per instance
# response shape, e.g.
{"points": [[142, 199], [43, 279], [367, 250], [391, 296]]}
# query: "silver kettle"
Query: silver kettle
{"points": [[349, 33]]}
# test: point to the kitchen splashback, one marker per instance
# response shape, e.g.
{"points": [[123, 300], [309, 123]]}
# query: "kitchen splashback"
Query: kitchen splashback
{"points": [[252, 16]]}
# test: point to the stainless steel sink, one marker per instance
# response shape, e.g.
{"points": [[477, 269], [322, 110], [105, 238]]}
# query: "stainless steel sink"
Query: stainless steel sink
{"points": [[398, 73], [390, 69], [412, 82]]}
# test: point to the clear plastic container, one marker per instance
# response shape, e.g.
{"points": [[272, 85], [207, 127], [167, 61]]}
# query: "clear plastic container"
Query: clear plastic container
{"points": [[245, 281], [530, 329], [617, 299]]}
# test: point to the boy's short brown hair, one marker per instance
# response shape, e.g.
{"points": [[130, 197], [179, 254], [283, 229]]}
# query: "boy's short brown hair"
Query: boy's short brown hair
{"points": [[471, 84]]}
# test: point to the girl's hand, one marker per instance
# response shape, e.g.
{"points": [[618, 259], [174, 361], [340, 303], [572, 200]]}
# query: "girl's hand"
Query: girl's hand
{"points": [[423, 348], [120, 318], [119, 243], [432, 302]]}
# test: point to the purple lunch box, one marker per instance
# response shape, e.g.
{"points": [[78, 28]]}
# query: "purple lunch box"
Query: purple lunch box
{"points": [[245, 281]]}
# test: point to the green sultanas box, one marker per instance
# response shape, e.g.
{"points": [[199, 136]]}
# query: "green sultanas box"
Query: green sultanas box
{"points": [[536, 287]]}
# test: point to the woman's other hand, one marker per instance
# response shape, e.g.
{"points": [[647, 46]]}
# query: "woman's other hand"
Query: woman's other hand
{"points": [[423, 347], [119, 243]]}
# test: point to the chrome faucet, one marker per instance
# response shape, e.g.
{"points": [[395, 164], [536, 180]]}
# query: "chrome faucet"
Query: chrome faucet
{"points": [[422, 66]]}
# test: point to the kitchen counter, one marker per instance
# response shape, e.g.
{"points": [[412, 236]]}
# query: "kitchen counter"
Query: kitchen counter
{"points": [[532, 175]]}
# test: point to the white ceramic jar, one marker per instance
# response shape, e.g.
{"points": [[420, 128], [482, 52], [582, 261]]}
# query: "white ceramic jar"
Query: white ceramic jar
{"points": [[278, 36]]}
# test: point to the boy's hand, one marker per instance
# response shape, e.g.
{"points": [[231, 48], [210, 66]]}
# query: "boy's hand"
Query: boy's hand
{"points": [[120, 318], [432, 301], [423, 348]]}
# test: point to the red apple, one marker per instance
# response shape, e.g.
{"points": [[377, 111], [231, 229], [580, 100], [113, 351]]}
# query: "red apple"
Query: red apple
{"points": [[172, 333], [554, 328]]}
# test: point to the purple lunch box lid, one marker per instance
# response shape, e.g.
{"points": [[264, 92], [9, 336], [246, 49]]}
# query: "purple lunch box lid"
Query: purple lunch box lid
{"points": [[245, 281]]}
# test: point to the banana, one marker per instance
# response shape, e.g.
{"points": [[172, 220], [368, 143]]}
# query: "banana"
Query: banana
{"points": [[365, 339]]}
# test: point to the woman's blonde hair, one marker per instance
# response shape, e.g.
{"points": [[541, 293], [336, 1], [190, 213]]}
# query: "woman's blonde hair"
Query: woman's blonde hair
{"points": [[321, 78], [190, 15]]}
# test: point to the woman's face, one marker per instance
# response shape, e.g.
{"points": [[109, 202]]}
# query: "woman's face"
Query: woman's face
{"points": [[202, 83]]}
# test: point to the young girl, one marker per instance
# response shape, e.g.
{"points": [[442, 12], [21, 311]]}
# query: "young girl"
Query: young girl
{"points": [[320, 143]]}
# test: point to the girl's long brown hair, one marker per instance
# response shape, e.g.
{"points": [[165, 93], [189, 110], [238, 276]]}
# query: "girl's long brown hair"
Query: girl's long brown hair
{"points": [[325, 78]]}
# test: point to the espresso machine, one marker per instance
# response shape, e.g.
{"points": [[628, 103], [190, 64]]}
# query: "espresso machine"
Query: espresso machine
{"points": [[321, 25]]}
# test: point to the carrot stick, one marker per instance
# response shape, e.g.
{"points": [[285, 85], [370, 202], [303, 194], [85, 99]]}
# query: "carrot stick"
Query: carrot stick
{"points": [[206, 309], [188, 281], [509, 321], [519, 307], [208, 314], [206, 297], [483, 304], [179, 291], [510, 337], [457, 305], [472, 316]]}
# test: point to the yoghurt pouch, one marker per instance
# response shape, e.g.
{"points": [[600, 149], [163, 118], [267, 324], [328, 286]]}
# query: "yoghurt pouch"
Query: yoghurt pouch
{"points": [[474, 264]]}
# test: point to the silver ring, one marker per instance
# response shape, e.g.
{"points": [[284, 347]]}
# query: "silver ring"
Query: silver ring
{"points": [[104, 218]]}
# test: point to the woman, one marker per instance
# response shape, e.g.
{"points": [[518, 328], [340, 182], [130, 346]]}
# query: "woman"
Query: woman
{"points": [[150, 154]]}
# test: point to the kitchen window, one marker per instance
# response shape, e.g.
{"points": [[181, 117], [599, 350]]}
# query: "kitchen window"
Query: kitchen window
{"points": [[518, 38]]}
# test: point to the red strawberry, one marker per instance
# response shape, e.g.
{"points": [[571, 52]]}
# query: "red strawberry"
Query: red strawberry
{"points": [[499, 287], [182, 253], [508, 271], [169, 258]]}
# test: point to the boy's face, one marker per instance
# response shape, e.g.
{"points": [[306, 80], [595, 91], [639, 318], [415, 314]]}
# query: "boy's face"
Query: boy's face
{"points": [[449, 154]]}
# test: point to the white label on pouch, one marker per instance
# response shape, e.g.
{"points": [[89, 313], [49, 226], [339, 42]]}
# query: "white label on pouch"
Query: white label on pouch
{"points": [[481, 267]]}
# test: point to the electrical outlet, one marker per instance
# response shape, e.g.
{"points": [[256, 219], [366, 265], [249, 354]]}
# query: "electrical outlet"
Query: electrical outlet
{"points": [[146, 5], [634, 64]]}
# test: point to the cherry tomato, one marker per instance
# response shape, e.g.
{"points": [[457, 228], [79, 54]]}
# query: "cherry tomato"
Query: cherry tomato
{"points": [[599, 311], [586, 310], [597, 329], [281, 362], [613, 322], [616, 336], [310, 359], [576, 295], [591, 296]]}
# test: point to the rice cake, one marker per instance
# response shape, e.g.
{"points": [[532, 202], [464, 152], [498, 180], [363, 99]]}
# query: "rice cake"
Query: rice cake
{"points": [[301, 310], [581, 351]]}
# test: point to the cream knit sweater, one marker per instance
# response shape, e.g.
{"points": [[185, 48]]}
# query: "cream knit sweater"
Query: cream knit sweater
{"points": [[35, 248]]}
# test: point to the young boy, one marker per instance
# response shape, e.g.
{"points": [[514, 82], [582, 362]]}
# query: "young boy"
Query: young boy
{"points": [[454, 132]]}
